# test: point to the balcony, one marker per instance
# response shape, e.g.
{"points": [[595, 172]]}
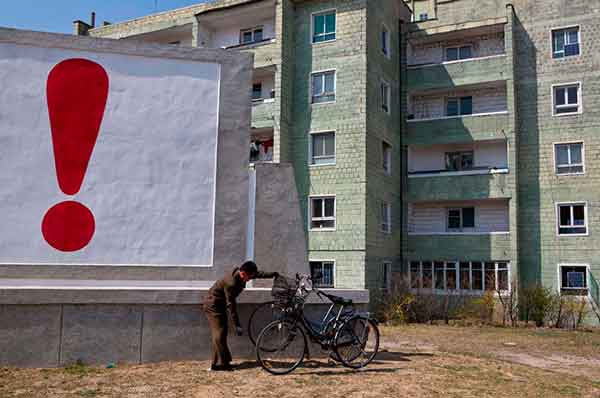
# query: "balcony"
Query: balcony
{"points": [[460, 187], [470, 158], [450, 130], [459, 217], [457, 73], [460, 247], [262, 145], [245, 27], [464, 171], [263, 97], [263, 112]]}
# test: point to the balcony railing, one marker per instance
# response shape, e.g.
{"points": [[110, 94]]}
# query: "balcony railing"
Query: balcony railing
{"points": [[457, 129], [457, 73], [457, 187]]}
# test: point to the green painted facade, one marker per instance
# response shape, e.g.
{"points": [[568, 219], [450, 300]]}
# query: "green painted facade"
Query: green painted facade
{"points": [[525, 70]]}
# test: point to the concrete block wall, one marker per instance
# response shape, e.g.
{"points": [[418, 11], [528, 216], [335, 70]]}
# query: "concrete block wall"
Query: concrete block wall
{"points": [[345, 179], [383, 127], [539, 187]]}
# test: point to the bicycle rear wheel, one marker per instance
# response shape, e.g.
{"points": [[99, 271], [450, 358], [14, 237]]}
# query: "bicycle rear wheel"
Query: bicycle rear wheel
{"points": [[262, 315], [357, 342], [280, 347]]}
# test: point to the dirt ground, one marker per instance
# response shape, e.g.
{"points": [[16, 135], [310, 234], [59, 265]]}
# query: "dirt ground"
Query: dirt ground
{"points": [[416, 361]]}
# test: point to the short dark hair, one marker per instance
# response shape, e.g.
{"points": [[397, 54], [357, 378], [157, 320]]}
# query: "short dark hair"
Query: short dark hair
{"points": [[249, 267]]}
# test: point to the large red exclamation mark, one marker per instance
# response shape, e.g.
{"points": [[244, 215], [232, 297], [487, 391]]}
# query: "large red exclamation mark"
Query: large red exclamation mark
{"points": [[77, 90]]}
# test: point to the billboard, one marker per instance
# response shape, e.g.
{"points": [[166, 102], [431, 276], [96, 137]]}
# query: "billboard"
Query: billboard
{"points": [[106, 159]]}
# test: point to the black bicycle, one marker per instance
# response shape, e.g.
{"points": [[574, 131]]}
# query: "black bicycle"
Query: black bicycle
{"points": [[351, 337]]}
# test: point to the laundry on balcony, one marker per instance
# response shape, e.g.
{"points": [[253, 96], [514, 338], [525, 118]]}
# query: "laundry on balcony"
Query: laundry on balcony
{"points": [[261, 151]]}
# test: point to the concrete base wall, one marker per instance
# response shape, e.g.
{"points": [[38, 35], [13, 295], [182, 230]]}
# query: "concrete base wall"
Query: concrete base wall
{"points": [[51, 335]]}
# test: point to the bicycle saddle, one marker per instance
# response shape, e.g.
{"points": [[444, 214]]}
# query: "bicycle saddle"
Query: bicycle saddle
{"points": [[337, 299]]}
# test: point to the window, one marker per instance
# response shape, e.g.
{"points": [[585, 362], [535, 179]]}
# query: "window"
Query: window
{"points": [[567, 99], [323, 26], [256, 91], [466, 276], [386, 275], [423, 16], [323, 87], [572, 219], [573, 279], [457, 53], [456, 161], [386, 157], [565, 42], [254, 35], [322, 210], [385, 96], [386, 217], [461, 219], [324, 269], [569, 158], [459, 106], [322, 148], [385, 42]]}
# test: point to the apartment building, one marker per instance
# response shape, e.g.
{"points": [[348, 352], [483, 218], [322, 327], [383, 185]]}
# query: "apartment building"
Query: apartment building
{"points": [[453, 140]]}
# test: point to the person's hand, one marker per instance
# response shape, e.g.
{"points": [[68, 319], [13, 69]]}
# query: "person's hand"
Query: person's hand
{"points": [[239, 331]]}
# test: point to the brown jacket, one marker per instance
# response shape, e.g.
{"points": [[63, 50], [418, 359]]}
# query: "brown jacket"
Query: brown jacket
{"points": [[222, 295]]}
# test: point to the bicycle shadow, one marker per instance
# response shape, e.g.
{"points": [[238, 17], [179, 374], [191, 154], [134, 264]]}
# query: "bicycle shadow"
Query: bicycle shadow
{"points": [[330, 368]]}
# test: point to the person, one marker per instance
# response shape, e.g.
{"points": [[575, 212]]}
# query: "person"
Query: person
{"points": [[221, 300]]}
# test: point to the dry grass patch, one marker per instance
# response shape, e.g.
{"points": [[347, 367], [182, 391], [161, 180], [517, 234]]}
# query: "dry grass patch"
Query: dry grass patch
{"points": [[418, 361]]}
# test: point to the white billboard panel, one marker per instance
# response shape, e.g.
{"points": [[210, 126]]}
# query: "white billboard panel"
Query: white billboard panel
{"points": [[149, 128]]}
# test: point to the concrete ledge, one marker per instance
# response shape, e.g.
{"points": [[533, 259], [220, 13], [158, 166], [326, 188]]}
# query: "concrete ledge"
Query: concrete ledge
{"points": [[44, 292]]}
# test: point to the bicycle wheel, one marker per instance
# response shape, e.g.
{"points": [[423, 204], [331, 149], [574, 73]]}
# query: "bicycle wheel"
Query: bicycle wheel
{"points": [[262, 315], [280, 347], [357, 342]]}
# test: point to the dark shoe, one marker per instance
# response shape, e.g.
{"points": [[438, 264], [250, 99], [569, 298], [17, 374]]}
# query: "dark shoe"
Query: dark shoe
{"points": [[220, 368]]}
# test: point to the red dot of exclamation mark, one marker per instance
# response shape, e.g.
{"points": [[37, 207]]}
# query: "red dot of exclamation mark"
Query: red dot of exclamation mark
{"points": [[76, 90]]}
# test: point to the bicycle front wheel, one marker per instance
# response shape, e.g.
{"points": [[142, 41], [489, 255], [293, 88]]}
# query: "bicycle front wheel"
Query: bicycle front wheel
{"points": [[357, 342], [280, 347], [262, 315]]}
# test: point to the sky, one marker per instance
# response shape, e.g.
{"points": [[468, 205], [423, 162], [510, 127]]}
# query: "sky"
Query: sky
{"points": [[58, 15]]}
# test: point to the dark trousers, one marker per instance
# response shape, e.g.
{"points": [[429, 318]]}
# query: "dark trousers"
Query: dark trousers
{"points": [[218, 329]]}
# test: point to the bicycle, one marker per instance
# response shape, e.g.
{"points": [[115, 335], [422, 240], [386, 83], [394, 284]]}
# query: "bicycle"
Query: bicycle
{"points": [[281, 346]]}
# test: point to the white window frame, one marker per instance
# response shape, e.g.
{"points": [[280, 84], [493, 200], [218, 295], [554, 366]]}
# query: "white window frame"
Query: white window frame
{"points": [[386, 271], [310, 148], [312, 26], [459, 290], [555, 144], [310, 218], [587, 278], [552, 30], [458, 49], [251, 30], [385, 225], [310, 88], [386, 50], [585, 215], [386, 157], [388, 97], [318, 260], [461, 229], [579, 98]]}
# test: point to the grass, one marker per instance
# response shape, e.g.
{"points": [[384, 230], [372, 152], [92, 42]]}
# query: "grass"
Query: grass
{"points": [[416, 361]]}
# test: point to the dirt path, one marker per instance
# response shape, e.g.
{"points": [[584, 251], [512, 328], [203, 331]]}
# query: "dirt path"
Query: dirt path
{"points": [[416, 362]]}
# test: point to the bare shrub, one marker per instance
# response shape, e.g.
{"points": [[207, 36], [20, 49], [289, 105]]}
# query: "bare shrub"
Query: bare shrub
{"points": [[536, 304]]}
